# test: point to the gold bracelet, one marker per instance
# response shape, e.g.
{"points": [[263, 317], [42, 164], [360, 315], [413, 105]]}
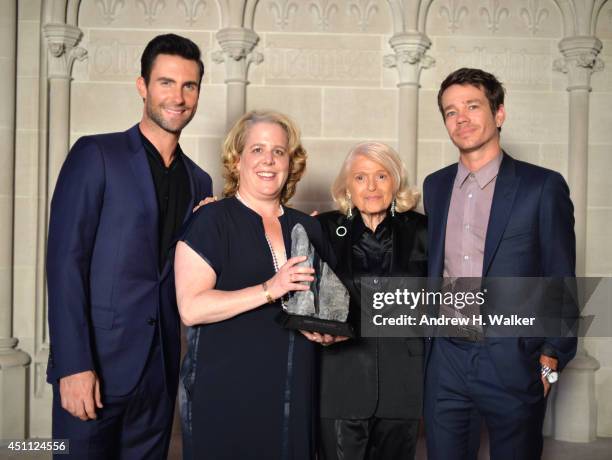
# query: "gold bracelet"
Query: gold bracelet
{"points": [[269, 298]]}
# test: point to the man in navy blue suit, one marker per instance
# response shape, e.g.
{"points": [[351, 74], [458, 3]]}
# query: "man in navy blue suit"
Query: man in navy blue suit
{"points": [[492, 216], [119, 202]]}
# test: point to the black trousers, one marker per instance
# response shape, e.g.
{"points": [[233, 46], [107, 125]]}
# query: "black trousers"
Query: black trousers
{"points": [[134, 426], [369, 439]]}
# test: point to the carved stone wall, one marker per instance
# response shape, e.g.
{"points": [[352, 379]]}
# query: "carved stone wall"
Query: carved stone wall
{"points": [[323, 64]]}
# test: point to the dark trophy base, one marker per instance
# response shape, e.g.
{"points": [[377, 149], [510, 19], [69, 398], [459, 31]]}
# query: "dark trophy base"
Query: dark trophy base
{"points": [[312, 324]]}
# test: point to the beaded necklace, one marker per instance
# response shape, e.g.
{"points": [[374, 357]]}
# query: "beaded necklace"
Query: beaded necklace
{"points": [[274, 259]]}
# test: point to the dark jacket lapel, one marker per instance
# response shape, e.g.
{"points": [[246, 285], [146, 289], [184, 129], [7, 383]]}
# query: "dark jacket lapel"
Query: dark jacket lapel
{"points": [[339, 229], [188, 168], [347, 251], [144, 181], [506, 186], [437, 220], [409, 255]]}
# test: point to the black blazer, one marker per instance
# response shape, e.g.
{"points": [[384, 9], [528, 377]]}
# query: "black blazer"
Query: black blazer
{"points": [[363, 377]]}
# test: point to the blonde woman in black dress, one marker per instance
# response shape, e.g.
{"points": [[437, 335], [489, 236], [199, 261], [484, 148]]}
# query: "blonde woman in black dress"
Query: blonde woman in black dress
{"points": [[251, 382]]}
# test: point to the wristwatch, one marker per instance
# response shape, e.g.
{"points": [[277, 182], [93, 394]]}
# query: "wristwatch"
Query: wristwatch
{"points": [[550, 375]]}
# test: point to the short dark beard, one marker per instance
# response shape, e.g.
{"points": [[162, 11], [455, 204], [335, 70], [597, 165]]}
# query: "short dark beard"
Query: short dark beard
{"points": [[159, 120]]}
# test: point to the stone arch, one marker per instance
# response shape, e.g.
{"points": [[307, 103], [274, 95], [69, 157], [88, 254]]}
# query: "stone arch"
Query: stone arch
{"points": [[61, 12], [409, 16], [237, 13], [579, 20]]}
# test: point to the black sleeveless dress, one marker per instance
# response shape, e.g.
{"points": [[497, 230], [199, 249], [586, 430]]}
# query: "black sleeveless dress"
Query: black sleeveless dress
{"points": [[253, 389]]}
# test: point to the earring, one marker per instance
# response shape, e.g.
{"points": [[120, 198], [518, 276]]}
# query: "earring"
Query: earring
{"points": [[393, 208], [349, 213]]}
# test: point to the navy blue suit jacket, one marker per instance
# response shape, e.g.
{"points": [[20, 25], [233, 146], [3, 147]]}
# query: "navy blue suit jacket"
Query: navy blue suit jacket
{"points": [[107, 295], [530, 234]]}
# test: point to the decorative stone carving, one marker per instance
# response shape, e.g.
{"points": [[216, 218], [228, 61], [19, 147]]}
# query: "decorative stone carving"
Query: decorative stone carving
{"points": [[533, 15], [61, 41], [112, 58], [409, 57], [237, 52], [282, 11], [494, 13], [364, 10], [109, 9], [580, 59], [587, 60], [455, 12], [151, 9], [528, 68], [323, 10], [237, 44], [192, 9], [290, 65], [254, 57]]}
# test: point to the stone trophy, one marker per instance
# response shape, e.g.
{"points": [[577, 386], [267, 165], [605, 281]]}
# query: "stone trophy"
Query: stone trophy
{"points": [[324, 308]]}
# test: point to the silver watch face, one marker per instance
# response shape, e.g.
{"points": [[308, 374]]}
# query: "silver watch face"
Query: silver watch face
{"points": [[552, 377]]}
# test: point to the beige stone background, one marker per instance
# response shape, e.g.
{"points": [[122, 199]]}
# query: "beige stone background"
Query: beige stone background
{"points": [[324, 63]]}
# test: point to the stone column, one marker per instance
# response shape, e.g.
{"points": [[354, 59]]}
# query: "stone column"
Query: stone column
{"points": [[579, 62], [409, 59], [62, 52], [237, 53], [575, 419], [61, 41], [13, 362]]}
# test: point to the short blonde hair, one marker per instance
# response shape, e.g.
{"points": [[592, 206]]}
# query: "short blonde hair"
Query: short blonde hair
{"points": [[405, 198], [235, 142]]}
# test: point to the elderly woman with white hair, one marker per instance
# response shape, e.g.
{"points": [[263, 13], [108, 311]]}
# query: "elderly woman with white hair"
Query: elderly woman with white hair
{"points": [[371, 388]]}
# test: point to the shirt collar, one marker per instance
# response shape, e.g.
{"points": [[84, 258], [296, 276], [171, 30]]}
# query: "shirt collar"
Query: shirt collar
{"points": [[152, 150], [358, 227], [483, 176]]}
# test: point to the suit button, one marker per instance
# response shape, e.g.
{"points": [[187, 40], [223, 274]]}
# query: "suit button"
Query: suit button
{"points": [[151, 321]]}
